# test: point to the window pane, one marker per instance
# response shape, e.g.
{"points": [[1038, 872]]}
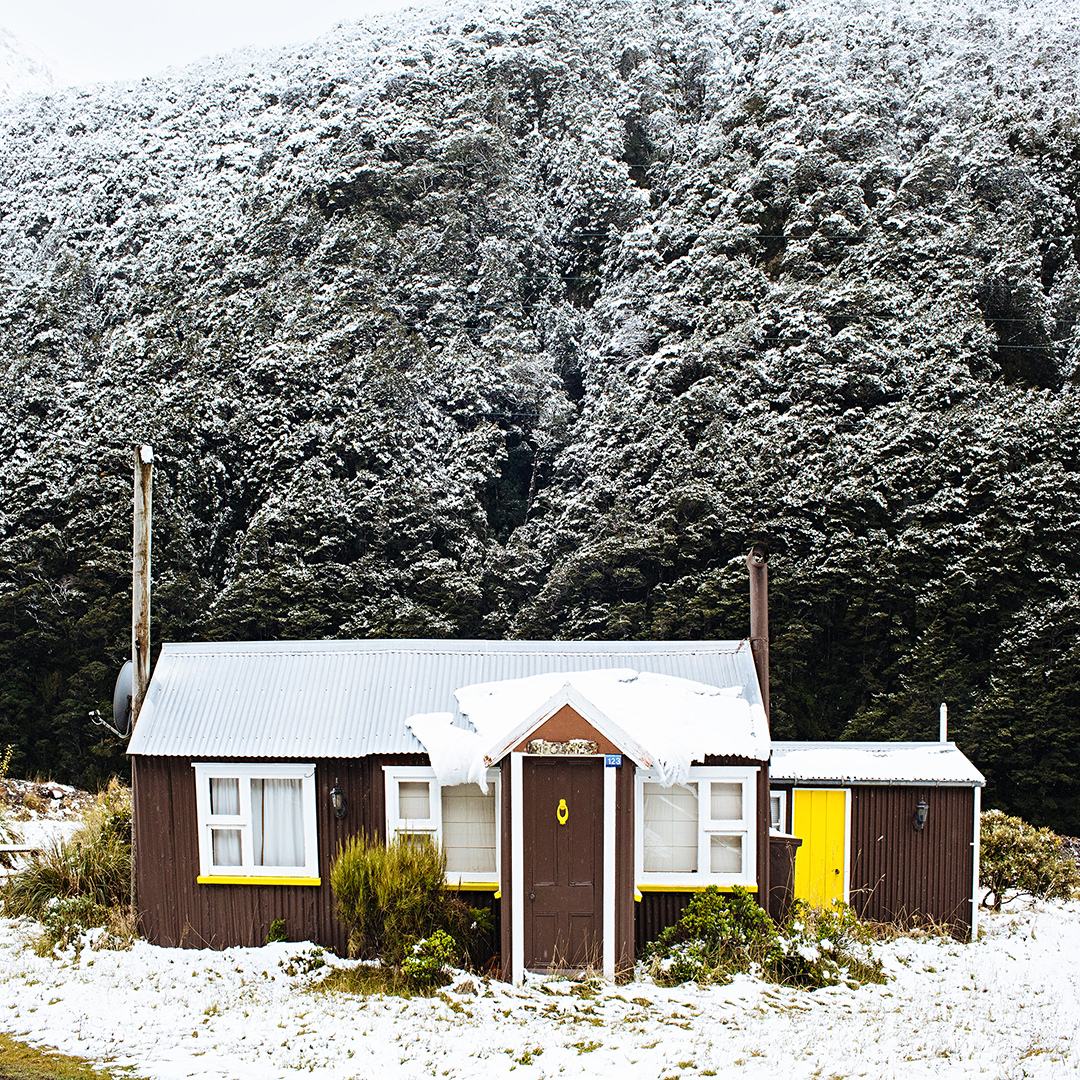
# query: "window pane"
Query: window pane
{"points": [[725, 854], [774, 812], [414, 800], [277, 822], [726, 802], [670, 828], [416, 839], [468, 818], [224, 795], [226, 845]]}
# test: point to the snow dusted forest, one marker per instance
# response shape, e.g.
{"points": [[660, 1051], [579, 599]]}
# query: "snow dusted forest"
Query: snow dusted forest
{"points": [[527, 322]]}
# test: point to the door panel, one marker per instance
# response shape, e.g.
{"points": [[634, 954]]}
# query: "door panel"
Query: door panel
{"points": [[545, 932], [819, 819], [563, 861], [585, 941]]}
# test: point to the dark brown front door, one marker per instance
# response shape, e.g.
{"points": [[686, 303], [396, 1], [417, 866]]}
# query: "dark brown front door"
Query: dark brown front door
{"points": [[563, 803]]}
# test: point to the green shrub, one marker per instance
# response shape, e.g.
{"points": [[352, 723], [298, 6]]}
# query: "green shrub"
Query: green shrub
{"points": [[393, 896], [721, 935], [825, 946], [428, 963], [65, 920], [1017, 859], [276, 932], [95, 863]]}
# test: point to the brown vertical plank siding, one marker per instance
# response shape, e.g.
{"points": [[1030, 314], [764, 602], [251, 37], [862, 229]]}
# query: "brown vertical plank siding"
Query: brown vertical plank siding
{"points": [[655, 912], [901, 874], [175, 910]]}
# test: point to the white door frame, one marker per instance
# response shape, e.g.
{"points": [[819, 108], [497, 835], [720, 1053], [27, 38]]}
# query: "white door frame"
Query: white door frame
{"points": [[517, 870]]}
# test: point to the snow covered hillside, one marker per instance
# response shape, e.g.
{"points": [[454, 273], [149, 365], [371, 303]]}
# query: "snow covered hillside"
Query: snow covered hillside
{"points": [[486, 321], [23, 70], [1007, 1006]]}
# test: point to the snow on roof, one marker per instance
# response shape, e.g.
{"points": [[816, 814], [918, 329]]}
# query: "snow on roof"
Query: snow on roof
{"points": [[673, 720], [873, 763]]}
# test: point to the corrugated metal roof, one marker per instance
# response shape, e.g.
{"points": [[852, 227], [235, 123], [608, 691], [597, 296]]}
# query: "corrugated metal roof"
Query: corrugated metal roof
{"points": [[872, 763], [316, 699]]}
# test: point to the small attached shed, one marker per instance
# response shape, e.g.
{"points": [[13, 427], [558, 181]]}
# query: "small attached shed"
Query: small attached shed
{"points": [[891, 828], [583, 789]]}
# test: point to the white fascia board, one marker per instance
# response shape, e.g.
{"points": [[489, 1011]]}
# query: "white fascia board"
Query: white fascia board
{"points": [[569, 695]]}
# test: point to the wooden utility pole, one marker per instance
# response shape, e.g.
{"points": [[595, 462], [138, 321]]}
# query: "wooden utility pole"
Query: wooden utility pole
{"points": [[140, 621], [140, 580]]}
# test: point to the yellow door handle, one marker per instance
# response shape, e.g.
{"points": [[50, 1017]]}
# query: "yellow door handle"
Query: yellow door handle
{"points": [[563, 813]]}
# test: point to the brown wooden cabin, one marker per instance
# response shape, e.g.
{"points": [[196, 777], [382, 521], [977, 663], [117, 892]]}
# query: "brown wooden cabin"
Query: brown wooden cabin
{"points": [[891, 828], [253, 762]]}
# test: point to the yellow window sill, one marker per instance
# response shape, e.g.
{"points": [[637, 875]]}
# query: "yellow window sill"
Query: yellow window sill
{"points": [[237, 879], [473, 886], [694, 888]]}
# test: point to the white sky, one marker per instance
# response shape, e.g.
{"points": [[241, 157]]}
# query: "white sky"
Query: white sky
{"points": [[103, 40]]}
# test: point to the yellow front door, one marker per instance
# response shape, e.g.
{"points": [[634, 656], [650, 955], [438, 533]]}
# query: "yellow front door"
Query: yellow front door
{"points": [[819, 819]]}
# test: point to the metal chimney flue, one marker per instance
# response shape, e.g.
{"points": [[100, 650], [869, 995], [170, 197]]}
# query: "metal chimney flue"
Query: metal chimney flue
{"points": [[757, 562]]}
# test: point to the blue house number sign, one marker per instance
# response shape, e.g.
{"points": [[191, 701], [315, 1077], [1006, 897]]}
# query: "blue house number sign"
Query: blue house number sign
{"points": [[612, 761]]}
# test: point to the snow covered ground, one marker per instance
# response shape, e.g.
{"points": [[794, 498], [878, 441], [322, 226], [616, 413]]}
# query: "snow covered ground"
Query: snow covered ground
{"points": [[1007, 1006]]}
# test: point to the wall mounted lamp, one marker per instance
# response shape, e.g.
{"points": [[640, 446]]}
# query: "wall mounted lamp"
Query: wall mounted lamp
{"points": [[337, 800], [921, 813]]}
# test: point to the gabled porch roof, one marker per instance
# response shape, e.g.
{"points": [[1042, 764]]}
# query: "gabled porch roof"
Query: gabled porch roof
{"points": [[661, 722]]}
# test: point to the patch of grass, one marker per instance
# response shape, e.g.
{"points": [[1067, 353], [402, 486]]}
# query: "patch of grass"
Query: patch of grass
{"points": [[367, 979], [21, 1062], [584, 1047]]}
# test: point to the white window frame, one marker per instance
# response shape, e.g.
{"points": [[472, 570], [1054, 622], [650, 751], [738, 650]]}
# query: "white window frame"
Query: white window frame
{"points": [[395, 775], [745, 827], [247, 872], [781, 795]]}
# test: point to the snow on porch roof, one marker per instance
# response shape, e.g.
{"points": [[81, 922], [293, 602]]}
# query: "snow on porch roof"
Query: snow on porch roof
{"points": [[665, 721], [318, 699], [872, 763]]}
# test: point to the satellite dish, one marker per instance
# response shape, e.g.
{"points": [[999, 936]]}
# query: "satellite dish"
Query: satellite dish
{"points": [[121, 699]]}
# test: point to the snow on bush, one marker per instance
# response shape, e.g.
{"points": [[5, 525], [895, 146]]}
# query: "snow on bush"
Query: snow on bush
{"points": [[1018, 859], [721, 935]]}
